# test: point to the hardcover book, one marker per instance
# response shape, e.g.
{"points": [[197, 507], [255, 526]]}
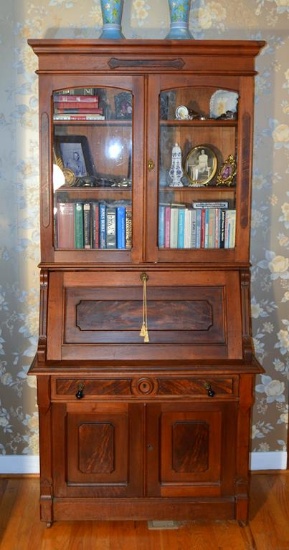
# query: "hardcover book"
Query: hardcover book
{"points": [[65, 225]]}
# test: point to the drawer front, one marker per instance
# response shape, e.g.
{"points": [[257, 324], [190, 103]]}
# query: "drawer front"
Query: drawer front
{"points": [[99, 316], [145, 387]]}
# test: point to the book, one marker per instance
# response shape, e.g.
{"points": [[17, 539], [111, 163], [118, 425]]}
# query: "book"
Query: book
{"points": [[161, 226], [188, 228], [68, 108], [174, 227], [102, 225], [210, 204], [181, 228], [167, 226], [128, 227], [86, 225], [78, 225], [78, 116], [75, 98], [230, 228], [120, 226], [94, 225], [110, 226], [65, 225]]}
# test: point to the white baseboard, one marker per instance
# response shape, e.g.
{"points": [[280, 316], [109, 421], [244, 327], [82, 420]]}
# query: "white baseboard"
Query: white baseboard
{"points": [[268, 461], [22, 464], [19, 464]]}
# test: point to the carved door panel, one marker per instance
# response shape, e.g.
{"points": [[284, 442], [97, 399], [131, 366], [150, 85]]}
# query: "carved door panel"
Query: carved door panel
{"points": [[93, 452], [190, 449]]}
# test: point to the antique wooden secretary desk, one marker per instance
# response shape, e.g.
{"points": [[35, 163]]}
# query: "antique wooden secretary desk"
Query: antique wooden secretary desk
{"points": [[145, 367]]}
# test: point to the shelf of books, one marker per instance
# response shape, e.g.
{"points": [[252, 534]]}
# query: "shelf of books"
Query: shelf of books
{"points": [[203, 224], [93, 225]]}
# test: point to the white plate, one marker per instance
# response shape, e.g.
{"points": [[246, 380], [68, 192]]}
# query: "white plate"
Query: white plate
{"points": [[222, 101]]}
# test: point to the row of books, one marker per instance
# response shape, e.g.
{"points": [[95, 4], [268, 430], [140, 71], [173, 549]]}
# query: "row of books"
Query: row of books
{"points": [[202, 225], [77, 107], [85, 225]]}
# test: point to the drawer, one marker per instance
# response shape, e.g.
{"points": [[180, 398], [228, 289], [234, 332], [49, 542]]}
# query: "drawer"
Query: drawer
{"points": [[161, 387]]}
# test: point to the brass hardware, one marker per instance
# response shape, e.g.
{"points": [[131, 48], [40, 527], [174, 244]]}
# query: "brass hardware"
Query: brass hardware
{"points": [[144, 277], [79, 394], [151, 165]]}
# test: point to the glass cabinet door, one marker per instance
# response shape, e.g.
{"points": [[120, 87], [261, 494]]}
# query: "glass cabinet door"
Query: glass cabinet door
{"points": [[92, 142], [196, 171]]}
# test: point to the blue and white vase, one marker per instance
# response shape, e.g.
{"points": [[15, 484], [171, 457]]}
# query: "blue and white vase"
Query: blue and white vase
{"points": [[179, 17], [111, 15]]}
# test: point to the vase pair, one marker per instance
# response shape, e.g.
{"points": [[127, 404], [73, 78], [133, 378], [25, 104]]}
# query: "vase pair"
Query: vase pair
{"points": [[179, 19]]}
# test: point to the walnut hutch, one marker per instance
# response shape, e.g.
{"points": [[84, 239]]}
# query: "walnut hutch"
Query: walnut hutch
{"points": [[145, 367]]}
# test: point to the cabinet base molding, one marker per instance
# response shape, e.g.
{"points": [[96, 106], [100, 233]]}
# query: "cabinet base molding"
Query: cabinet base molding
{"points": [[141, 509]]}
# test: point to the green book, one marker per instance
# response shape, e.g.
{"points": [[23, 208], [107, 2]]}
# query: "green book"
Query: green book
{"points": [[78, 225]]}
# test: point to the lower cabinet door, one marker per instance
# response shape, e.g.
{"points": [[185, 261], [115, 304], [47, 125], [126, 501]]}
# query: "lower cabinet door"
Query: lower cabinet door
{"points": [[190, 449], [94, 454]]}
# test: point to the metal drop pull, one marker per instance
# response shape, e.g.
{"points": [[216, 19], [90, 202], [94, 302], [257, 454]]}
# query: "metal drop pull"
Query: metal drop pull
{"points": [[209, 389], [151, 165], [79, 394]]}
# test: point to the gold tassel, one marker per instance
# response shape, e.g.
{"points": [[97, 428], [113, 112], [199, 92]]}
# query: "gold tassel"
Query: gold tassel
{"points": [[144, 329]]}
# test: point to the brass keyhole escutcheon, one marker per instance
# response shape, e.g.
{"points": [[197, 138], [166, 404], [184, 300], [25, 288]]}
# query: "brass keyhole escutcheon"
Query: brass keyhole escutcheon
{"points": [[151, 165]]}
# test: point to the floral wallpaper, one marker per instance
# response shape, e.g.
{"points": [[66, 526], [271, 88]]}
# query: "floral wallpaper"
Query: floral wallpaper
{"points": [[19, 178]]}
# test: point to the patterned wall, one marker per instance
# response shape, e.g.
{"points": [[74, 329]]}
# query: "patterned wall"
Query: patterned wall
{"points": [[19, 236]]}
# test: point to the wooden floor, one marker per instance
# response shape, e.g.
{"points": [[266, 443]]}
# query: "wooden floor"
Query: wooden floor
{"points": [[20, 528]]}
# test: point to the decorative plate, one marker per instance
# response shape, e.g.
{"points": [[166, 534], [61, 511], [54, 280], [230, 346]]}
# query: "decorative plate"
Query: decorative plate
{"points": [[182, 112], [223, 101]]}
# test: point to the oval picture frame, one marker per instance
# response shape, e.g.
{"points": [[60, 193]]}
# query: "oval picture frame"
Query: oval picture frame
{"points": [[200, 165]]}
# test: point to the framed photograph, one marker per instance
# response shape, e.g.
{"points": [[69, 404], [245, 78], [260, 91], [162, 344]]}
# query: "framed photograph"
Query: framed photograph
{"points": [[200, 165], [123, 105], [227, 173], [72, 153]]}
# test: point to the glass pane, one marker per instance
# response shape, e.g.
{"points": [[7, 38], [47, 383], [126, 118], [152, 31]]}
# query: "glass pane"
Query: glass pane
{"points": [[197, 168], [92, 176]]}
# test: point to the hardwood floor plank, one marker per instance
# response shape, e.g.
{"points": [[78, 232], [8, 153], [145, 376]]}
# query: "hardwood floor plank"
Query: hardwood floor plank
{"points": [[268, 529]]}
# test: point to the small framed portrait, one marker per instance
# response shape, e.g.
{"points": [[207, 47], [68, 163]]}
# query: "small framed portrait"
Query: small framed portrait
{"points": [[72, 154], [123, 105], [200, 165], [227, 172]]}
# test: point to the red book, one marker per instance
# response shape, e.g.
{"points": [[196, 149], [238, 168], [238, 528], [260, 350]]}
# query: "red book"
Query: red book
{"points": [[66, 98], [77, 107]]}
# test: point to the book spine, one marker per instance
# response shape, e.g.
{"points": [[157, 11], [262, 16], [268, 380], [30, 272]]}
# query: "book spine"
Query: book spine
{"points": [[210, 204], [95, 225], [188, 230], [181, 228], [128, 227], [198, 228], [65, 225], [161, 227], [78, 225], [120, 227], [86, 225], [174, 228], [230, 228], [110, 227], [68, 108], [75, 98], [222, 228], [194, 228], [78, 117], [102, 225], [167, 226]]}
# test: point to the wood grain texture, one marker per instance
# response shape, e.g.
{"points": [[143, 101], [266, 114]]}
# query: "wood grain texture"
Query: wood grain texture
{"points": [[20, 528]]}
